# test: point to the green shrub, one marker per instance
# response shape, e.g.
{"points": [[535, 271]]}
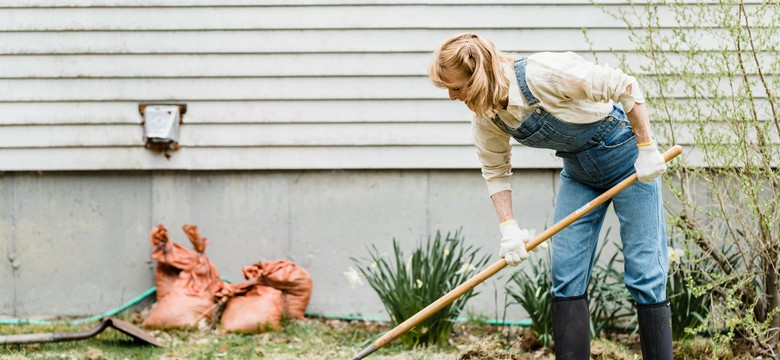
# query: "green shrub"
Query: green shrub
{"points": [[407, 285], [689, 305], [709, 71]]}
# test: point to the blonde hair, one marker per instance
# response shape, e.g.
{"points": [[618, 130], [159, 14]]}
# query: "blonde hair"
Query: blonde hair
{"points": [[479, 60]]}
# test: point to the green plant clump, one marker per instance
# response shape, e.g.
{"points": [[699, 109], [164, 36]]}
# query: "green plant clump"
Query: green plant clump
{"points": [[407, 285]]}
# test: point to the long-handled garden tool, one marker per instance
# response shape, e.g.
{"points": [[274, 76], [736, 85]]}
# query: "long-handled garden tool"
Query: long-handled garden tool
{"points": [[133, 331], [500, 264]]}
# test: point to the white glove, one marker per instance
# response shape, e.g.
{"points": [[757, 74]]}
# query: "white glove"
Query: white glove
{"points": [[513, 241], [650, 163]]}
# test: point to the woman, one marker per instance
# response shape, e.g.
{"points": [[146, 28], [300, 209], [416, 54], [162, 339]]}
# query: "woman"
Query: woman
{"points": [[561, 102]]}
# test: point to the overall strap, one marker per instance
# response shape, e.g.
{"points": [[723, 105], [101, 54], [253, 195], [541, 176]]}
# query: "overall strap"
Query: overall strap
{"points": [[520, 72]]}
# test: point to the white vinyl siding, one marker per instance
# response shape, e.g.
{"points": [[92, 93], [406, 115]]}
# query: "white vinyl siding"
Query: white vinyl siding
{"points": [[268, 84]]}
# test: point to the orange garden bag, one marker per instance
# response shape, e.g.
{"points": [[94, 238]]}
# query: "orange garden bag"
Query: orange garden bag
{"points": [[293, 280], [187, 283], [252, 309], [273, 290]]}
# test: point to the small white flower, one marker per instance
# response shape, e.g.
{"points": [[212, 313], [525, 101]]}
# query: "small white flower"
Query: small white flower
{"points": [[446, 252], [466, 268], [353, 277], [409, 263], [419, 283], [675, 254]]}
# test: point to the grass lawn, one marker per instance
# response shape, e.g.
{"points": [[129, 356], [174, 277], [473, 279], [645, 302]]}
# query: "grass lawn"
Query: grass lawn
{"points": [[309, 338], [302, 339]]}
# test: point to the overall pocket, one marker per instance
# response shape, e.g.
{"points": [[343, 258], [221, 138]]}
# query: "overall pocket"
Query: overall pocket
{"points": [[620, 135], [548, 138], [613, 159]]}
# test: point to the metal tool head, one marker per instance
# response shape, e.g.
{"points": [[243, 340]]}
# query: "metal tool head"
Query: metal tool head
{"points": [[133, 331], [129, 329]]}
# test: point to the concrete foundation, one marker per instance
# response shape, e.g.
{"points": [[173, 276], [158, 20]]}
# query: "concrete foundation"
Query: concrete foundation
{"points": [[76, 243]]}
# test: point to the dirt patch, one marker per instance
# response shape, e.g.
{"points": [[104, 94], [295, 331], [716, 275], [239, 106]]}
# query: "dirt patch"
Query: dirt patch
{"points": [[13, 357], [605, 350], [93, 354], [702, 348], [490, 349]]}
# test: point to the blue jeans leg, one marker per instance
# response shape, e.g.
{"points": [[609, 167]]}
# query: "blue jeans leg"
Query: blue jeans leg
{"points": [[642, 232], [639, 209], [574, 247]]}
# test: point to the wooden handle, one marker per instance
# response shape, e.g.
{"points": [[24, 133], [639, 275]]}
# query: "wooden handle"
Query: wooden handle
{"points": [[500, 264]]}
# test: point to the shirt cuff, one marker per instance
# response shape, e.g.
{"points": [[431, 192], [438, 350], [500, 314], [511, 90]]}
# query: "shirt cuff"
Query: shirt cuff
{"points": [[498, 185]]}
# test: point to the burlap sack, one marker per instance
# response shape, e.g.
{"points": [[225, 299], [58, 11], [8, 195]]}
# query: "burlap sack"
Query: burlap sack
{"points": [[170, 257], [253, 309], [187, 283], [293, 280]]}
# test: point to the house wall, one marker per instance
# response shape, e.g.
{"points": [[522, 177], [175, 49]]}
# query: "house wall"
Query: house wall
{"points": [[311, 132], [77, 243]]}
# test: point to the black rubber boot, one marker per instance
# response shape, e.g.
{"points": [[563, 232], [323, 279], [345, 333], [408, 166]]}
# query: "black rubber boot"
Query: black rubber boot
{"points": [[571, 328], [655, 330]]}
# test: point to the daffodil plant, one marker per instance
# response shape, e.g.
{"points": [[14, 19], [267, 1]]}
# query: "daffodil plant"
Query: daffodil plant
{"points": [[408, 284]]}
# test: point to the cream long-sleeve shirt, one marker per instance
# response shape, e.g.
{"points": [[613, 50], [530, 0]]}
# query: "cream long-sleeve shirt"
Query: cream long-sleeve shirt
{"points": [[569, 87]]}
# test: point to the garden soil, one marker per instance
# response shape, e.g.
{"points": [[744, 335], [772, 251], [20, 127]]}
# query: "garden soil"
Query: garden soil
{"points": [[491, 349]]}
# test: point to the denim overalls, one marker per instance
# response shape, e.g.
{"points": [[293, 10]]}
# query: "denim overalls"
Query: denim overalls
{"points": [[597, 156]]}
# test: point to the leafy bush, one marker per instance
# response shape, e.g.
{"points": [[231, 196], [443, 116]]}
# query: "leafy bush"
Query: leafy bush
{"points": [[407, 285], [709, 70], [690, 306]]}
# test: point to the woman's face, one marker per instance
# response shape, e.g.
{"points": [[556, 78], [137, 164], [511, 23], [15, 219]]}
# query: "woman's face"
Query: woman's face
{"points": [[457, 84]]}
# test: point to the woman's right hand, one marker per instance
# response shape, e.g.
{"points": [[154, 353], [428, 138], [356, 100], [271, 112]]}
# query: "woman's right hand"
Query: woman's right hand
{"points": [[513, 241]]}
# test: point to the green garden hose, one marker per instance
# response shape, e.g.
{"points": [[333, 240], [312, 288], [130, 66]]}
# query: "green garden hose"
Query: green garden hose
{"points": [[108, 313], [136, 300]]}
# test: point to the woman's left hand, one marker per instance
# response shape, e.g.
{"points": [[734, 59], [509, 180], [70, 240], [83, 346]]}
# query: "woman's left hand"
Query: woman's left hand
{"points": [[650, 163]]}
